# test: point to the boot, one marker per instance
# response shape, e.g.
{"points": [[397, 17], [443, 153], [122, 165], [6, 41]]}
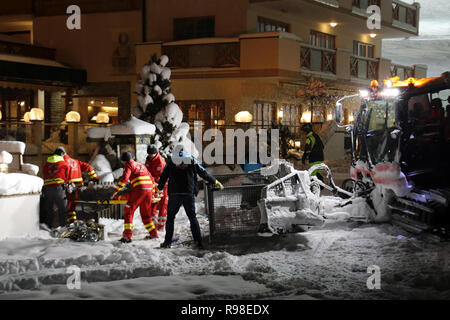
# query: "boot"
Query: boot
{"points": [[153, 235], [125, 240], [199, 245], [165, 245]]}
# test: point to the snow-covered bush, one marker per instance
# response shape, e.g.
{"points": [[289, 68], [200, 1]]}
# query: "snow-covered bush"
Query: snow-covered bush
{"points": [[156, 104]]}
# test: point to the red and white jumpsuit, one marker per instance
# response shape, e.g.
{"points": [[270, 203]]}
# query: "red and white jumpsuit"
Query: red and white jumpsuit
{"points": [[139, 197], [156, 166], [76, 167]]}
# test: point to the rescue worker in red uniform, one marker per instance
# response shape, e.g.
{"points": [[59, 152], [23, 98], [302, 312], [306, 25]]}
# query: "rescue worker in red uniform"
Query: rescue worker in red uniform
{"points": [[76, 167], [155, 164], [56, 174], [140, 196]]}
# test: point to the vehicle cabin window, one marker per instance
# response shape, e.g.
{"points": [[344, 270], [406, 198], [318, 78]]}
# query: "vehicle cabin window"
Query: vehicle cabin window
{"points": [[191, 28], [322, 40], [363, 49], [267, 25], [378, 114]]}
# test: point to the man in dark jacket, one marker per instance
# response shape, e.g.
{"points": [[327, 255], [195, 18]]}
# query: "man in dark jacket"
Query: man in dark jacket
{"points": [[313, 149], [182, 172]]}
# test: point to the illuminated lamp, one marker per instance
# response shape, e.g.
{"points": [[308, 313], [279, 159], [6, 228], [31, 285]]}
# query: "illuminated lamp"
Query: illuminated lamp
{"points": [[351, 118], [306, 116], [36, 114], [0, 115], [280, 114], [102, 117], [373, 35], [298, 143], [333, 24], [330, 117], [243, 117], [26, 117], [73, 117]]}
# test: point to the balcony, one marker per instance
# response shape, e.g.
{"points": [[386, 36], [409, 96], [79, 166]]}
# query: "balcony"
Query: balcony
{"points": [[269, 54], [209, 55], [403, 72], [26, 50], [317, 59], [404, 15], [364, 68]]}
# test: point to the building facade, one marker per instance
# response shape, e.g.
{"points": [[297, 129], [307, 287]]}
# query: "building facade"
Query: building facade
{"points": [[255, 55], [226, 57]]}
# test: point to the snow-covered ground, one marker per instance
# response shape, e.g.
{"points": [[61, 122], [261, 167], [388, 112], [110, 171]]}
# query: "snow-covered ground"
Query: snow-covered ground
{"points": [[327, 263]]}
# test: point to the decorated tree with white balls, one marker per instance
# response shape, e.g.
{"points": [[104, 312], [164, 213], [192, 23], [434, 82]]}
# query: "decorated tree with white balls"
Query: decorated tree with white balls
{"points": [[156, 104]]}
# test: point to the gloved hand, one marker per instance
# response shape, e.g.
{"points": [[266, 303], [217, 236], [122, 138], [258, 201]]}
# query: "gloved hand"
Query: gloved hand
{"points": [[219, 184], [70, 188], [113, 195]]}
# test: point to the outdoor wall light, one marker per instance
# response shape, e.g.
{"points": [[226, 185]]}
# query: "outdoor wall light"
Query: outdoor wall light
{"points": [[298, 143], [36, 114], [373, 35], [73, 117], [333, 24], [102, 117], [243, 117], [330, 117], [0, 115]]}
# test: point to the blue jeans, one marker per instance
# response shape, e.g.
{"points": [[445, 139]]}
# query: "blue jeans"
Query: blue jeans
{"points": [[188, 202]]}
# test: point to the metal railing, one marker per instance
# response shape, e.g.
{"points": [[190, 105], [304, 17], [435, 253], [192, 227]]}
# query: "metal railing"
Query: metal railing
{"points": [[364, 68], [317, 59]]}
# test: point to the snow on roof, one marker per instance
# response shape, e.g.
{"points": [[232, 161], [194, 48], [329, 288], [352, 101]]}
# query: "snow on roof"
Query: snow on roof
{"points": [[134, 126], [19, 183], [13, 146]]}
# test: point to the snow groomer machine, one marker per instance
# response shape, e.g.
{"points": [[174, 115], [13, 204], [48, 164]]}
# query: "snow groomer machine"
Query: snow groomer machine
{"points": [[400, 152]]}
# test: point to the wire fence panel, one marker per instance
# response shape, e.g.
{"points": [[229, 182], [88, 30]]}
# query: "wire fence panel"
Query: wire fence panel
{"points": [[234, 210]]}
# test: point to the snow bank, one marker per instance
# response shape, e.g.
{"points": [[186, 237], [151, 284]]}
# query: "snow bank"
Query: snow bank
{"points": [[19, 183], [19, 215]]}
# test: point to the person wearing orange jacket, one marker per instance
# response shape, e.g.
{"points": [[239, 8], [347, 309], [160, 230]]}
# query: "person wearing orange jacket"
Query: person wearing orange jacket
{"points": [[55, 174], [155, 164], [140, 196], [76, 167]]}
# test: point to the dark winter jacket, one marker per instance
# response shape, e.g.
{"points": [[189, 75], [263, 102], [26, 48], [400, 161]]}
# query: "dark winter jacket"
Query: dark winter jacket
{"points": [[314, 148], [183, 177]]}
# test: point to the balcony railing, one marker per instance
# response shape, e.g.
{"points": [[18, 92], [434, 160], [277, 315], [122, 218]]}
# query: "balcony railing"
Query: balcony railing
{"points": [[404, 72], [318, 59], [212, 55], [404, 13], [363, 68]]}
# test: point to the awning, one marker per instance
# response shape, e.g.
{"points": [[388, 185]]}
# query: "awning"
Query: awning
{"points": [[39, 74]]}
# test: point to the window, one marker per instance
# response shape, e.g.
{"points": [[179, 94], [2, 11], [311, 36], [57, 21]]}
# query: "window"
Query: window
{"points": [[363, 49], [291, 116], [266, 25], [190, 28], [322, 40], [364, 4], [263, 114]]}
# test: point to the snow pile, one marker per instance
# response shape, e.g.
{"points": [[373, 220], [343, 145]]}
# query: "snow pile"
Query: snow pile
{"points": [[13, 146], [103, 168], [99, 133], [134, 126], [30, 168], [19, 183], [6, 157]]}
